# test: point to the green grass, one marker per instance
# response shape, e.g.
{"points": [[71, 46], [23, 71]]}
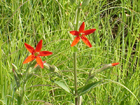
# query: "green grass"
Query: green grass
{"points": [[116, 39]]}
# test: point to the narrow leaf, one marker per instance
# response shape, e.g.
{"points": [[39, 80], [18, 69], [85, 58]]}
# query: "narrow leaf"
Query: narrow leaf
{"points": [[87, 87], [62, 85]]}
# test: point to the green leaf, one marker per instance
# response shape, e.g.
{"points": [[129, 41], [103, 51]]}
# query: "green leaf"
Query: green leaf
{"points": [[87, 87], [62, 85], [74, 49]]}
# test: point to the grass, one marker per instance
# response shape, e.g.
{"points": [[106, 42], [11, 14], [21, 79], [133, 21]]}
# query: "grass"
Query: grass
{"points": [[116, 39]]}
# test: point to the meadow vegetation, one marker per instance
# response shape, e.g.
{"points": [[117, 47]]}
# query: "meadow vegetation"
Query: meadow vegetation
{"points": [[116, 39]]}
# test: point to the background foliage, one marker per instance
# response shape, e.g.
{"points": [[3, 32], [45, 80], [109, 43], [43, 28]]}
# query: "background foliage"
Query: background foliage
{"points": [[116, 39]]}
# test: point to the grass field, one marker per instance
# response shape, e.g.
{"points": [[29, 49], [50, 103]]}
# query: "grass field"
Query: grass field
{"points": [[116, 39]]}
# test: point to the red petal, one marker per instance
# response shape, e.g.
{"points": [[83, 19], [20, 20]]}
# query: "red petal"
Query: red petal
{"points": [[39, 61], [29, 48], [86, 41], [76, 40], [39, 46], [87, 32], [28, 59], [82, 27], [74, 33], [114, 64], [45, 53], [37, 64]]}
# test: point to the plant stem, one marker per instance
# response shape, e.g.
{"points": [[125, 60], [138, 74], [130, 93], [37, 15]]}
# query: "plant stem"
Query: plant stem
{"points": [[74, 56], [77, 18], [123, 44], [75, 79]]}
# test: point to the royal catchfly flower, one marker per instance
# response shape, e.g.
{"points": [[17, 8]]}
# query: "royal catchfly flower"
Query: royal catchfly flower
{"points": [[81, 34], [36, 53]]}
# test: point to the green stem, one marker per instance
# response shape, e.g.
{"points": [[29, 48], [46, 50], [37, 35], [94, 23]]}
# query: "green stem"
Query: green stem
{"points": [[74, 55], [123, 44], [75, 79], [123, 13], [77, 18]]}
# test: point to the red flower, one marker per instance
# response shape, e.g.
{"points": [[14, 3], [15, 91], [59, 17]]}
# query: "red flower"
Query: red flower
{"points": [[81, 34], [36, 53]]}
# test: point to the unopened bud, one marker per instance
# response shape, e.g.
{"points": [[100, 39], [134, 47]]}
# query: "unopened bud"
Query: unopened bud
{"points": [[114, 64], [106, 66], [71, 25], [50, 67]]}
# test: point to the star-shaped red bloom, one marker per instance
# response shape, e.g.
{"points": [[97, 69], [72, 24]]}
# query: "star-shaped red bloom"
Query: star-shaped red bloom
{"points": [[36, 53], [81, 34]]}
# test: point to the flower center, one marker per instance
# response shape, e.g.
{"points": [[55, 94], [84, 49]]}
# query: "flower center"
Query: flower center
{"points": [[36, 53], [80, 34]]}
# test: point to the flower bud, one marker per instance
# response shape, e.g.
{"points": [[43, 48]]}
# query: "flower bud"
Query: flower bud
{"points": [[51, 67], [85, 3], [106, 66], [114, 64]]}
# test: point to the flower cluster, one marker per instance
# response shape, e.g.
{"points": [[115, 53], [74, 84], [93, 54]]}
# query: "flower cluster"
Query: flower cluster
{"points": [[36, 53]]}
